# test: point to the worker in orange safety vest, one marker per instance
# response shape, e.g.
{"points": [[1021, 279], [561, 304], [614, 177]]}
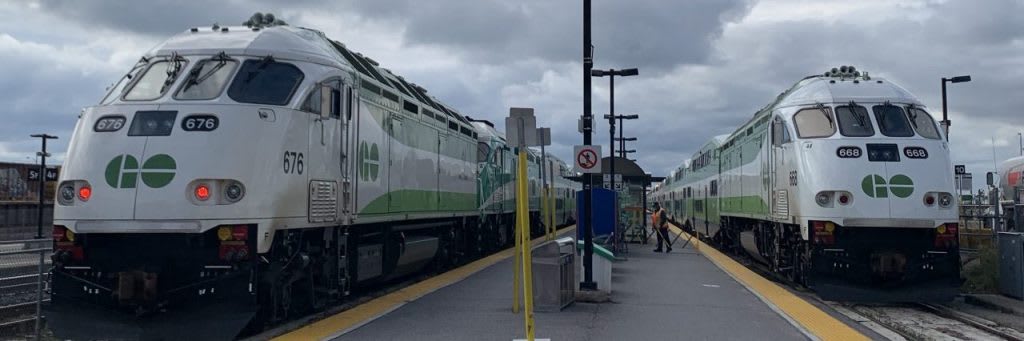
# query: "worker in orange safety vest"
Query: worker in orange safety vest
{"points": [[659, 222]]}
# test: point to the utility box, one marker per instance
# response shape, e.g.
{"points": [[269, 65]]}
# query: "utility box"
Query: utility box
{"points": [[605, 211], [1011, 264], [554, 276]]}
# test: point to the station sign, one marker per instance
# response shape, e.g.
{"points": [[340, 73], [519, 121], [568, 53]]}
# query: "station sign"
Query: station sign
{"points": [[587, 159], [966, 182], [608, 181], [51, 174]]}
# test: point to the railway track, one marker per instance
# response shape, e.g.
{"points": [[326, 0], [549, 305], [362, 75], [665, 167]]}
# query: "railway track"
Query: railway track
{"points": [[923, 322], [901, 321]]}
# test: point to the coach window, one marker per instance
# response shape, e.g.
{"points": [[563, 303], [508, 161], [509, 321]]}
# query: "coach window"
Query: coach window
{"points": [[814, 123], [923, 123], [892, 121], [854, 121], [265, 81]]}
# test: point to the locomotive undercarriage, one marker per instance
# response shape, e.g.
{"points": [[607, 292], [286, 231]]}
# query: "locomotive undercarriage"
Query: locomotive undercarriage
{"points": [[147, 286], [876, 264]]}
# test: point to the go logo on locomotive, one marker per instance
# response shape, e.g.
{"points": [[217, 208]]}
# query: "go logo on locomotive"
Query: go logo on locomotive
{"points": [[123, 171], [875, 186], [369, 161]]}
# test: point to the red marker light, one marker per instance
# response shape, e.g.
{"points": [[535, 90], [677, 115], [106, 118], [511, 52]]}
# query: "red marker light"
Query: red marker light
{"points": [[202, 192], [843, 199], [240, 232], [84, 193], [59, 232], [929, 200]]}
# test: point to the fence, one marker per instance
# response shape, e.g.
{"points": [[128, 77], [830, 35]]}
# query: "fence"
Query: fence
{"points": [[24, 272], [24, 268]]}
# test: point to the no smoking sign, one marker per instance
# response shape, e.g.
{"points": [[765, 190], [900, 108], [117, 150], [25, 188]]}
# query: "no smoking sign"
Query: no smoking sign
{"points": [[588, 159]]}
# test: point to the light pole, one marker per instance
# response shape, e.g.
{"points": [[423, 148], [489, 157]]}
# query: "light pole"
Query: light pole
{"points": [[945, 117], [588, 126], [622, 140], [39, 225], [611, 73]]}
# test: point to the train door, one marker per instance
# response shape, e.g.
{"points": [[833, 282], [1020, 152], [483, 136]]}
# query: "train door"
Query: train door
{"points": [[779, 179], [325, 102], [442, 141], [345, 149], [397, 181], [705, 208]]}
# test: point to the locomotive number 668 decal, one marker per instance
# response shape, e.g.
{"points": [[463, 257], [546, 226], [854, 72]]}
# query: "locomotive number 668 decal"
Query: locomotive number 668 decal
{"points": [[915, 152], [849, 152]]}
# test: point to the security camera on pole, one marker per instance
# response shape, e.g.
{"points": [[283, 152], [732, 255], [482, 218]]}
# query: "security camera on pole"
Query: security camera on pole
{"points": [[521, 132]]}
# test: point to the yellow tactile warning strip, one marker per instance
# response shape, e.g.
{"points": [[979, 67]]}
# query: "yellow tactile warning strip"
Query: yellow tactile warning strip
{"points": [[798, 311], [351, 319]]}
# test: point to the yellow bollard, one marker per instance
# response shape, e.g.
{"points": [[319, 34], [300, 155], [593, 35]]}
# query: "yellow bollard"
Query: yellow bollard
{"points": [[522, 225], [518, 268]]}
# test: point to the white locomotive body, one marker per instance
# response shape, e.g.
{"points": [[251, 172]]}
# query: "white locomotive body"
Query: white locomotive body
{"points": [[260, 171], [843, 183]]}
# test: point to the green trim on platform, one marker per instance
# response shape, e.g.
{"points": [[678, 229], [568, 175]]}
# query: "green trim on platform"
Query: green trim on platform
{"points": [[598, 250]]}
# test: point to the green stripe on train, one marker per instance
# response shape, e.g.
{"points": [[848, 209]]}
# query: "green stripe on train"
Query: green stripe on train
{"points": [[421, 201]]}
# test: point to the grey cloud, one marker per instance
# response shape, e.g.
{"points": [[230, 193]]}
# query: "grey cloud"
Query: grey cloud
{"points": [[651, 33], [157, 17]]}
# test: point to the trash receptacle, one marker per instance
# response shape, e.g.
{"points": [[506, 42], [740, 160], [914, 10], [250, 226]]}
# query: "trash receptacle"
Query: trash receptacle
{"points": [[554, 275], [1011, 264]]}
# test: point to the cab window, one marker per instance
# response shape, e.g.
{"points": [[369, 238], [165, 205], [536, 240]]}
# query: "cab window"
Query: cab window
{"points": [[156, 80], [312, 102], [854, 121], [892, 122], [814, 123], [923, 123], [207, 79], [482, 151], [117, 89], [265, 81], [780, 135]]}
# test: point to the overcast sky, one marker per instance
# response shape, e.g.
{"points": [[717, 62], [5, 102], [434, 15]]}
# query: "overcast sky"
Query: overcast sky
{"points": [[705, 66]]}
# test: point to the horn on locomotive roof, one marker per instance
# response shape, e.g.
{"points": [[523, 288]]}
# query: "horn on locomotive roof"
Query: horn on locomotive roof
{"points": [[259, 20]]}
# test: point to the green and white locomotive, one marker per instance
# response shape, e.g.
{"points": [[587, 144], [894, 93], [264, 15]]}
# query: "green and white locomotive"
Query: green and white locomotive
{"points": [[246, 175], [843, 183]]}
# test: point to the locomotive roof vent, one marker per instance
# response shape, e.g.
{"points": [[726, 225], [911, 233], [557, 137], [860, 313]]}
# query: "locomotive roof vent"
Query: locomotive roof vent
{"points": [[847, 72]]}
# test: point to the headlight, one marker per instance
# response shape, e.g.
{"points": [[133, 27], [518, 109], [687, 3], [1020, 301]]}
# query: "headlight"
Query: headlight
{"points": [[67, 193], [945, 199], [824, 199], [234, 191]]}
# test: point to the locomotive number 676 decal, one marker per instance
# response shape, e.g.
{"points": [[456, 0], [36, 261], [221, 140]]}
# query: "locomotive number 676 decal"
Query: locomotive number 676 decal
{"points": [[293, 162], [200, 123]]}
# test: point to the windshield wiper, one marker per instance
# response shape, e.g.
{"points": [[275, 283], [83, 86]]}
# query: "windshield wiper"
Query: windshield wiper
{"points": [[827, 116], [194, 77], [173, 70], [856, 115]]}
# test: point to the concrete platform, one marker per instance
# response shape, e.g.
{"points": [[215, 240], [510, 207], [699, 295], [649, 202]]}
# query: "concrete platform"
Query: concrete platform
{"points": [[685, 294], [657, 296]]}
